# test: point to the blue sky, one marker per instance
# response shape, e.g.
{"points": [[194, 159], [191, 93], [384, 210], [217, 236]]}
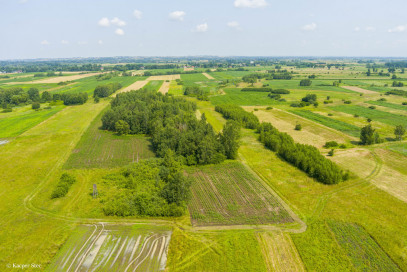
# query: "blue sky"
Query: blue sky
{"points": [[84, 28]]}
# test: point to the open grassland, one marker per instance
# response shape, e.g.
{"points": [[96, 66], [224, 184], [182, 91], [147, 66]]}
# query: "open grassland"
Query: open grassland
{"points": [[88, 85], [114, 248], [17, 124], [193, 78], [279, 252], [358, 90], [374, 114], [215, 251], [228, 194], [99, 149], [237, 97], [329, 122], [389, 105], [355, 201], [154, 84], [167, 77], [311, 133], [399, 147], [27, 162], [175, 89]]}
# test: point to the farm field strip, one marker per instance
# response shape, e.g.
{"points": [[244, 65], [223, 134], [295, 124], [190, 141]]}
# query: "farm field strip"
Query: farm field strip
{"points": [[135, 86], [166, 77], [358, 90], [389, 105], [208, 76], [374, 114], [58, 79], [230, 195], [329, 122], [113, 247], [165, 87]]}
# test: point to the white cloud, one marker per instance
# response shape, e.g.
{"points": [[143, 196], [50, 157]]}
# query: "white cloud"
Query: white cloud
{"points": [[138, 14], [309, 27], [119, 32], [400, 28], [116, 21], [44, 42], [64, 42], [250, 3], [177, 15], [357, 29], [370, 28], [104, 22], [100, 42], [201, 28], [233, 24]]}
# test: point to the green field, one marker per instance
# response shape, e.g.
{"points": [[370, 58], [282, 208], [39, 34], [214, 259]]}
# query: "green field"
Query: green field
{"points": [[399, 147], [229, 194], [374, 114], [17, 124], [389, 105], [329, 122], [100, 149], [190, 79], [236, 96]]}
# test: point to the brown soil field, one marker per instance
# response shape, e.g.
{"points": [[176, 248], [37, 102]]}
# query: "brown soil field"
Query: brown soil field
{"points": [[135, 86], [167, 77], [57, 79], [165, 87], [359, 90], [208, 76]]}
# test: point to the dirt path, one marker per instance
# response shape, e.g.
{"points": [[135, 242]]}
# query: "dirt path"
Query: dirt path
{"points": [[359, 90], [165, 87], [208, 76]]}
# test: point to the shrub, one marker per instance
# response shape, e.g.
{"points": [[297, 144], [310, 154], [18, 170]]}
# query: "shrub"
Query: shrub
{"points": [[35, 106], [269, 108], [331, 144], [305, 82], [372, 107], [64, 183], [298, 127], [347, 102], [330, 114], [331, 152]]}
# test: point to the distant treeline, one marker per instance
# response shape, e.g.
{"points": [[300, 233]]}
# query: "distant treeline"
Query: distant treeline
{"points": [[172, 123], [305, 157]]}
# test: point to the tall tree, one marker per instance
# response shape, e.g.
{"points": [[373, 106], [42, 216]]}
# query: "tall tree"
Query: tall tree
{"points": [[399, 132], [230, 139]]}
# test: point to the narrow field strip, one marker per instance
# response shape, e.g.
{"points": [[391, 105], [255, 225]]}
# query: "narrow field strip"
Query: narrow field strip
{"points": [[208, 76]]}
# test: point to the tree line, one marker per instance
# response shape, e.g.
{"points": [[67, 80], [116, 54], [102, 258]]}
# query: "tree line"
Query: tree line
{"points": [[305, 157], [172, 124]]}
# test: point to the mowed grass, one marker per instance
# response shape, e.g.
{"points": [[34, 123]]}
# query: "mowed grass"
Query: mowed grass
{"points": [[374, 114], [389, 105], [228, 194], [89, 84], [101, 149], [215, 251], [190, 79], [329, 122], [399, 147], [17, 124], [28, 161]]}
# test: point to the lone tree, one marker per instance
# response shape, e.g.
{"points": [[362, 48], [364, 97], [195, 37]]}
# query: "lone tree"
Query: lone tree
{"points": [[230, 139], [122, 127], [35, 106], [369, 136], [399, 132]]}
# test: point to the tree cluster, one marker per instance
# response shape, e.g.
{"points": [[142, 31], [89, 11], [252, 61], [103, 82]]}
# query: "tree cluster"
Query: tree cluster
{"points": [[236, 113], [74, 98], [153, 187], [65, 182], [305, 157], [197, 92], [106, 90], [172, 124], [305, 82]]}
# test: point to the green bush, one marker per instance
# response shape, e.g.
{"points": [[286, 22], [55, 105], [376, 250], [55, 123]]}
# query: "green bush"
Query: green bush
{"points": [[64, 183], [331, 144]]}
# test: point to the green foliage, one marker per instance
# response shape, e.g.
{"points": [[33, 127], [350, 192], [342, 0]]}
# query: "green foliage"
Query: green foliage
{"points": [[35, 105], [397, 84], [106, 90], [33, 94], [399, 132], [171, 122], [148, 188], [298, 127], [197, 92], [369, 136], [388, 105], [74, 98], [331, 152], [305, 82], [230, 139], [397, 92], [65, 182], [305, 157], [310, 98], [234, 112], [264, 90], [331, 144], [122, 127], [46, 96]]}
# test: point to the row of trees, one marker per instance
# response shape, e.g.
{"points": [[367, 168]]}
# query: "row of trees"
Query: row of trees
{"points": [[236, 113], [305, 157], [74, 98], [268, 90], [172, 124], [106, 90]]}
